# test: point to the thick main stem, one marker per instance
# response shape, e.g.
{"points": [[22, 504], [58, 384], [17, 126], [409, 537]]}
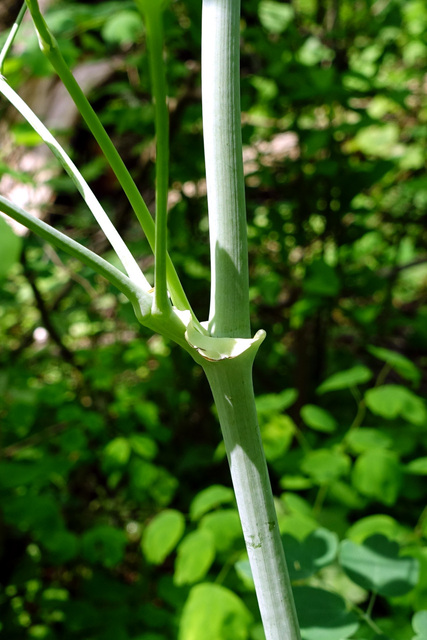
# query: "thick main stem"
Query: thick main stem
{"points": [[231, 384], [231, 378], [229, 311]]}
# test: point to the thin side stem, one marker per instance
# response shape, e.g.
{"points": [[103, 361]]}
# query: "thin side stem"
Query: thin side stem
{"points": [[60, 240], [231, 384], [50, 47], [87, 194], [11, 37], [229, 310], [154, 30]]}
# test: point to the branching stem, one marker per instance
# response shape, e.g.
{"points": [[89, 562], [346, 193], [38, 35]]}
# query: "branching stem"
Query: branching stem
{"points": [[87, 194], [50, 47]]}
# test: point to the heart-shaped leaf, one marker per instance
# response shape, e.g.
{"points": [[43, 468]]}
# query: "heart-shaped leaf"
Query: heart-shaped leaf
{"points": [[419, 625], [316, 551], [377, 566], [323, 615], [393, 400]]}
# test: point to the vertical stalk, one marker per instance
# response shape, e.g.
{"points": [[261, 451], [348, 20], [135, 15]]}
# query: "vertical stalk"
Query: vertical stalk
{"points": [[230, 378], [154, 29], [231, 384], [229, 310]]}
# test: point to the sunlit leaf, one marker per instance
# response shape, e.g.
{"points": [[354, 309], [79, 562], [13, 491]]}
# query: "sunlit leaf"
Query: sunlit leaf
{"points": [[162, 535], [325, 465], [116, 454], [275, 16], [213, 612], [318, 419], [123, 27], [346, 379], [417, 467], [377, 474], [370, 525], [366, 439], [225, 527], [276, 402], [209, 499], [392, 400], [195, 555], [277, 434]]}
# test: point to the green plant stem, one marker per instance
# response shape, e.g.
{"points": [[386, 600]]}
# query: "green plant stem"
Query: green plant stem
{"points": [[60, 240], [87, 194], [169, 324], [50, 48], [231, 384], [11, 37], [371, 605], [153, 13], [231, 378], [229, 306]]}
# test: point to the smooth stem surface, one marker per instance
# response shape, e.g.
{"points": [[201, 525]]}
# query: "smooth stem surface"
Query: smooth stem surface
{"points": [[73, 248], [50, 48], [231, 384], [154, 30], [11, 37], [87, 194], [229, 310]]}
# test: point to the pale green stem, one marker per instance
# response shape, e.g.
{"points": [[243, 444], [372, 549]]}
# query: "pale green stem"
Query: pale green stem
{"points": [[229, 311], [50, 48], [87, 194], [60, 240], [11, 37], [231, 378], [154, 30], [231, 384]]}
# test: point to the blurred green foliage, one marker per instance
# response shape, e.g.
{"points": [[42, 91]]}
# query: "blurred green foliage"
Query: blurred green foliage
{"points": [[117, 519]]}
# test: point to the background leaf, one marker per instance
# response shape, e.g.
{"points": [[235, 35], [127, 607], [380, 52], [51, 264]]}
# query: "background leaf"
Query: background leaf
{"points": [[323, 615], [214, 613], [162, 535], [196, 552], [345, 379], [376, 566]]}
